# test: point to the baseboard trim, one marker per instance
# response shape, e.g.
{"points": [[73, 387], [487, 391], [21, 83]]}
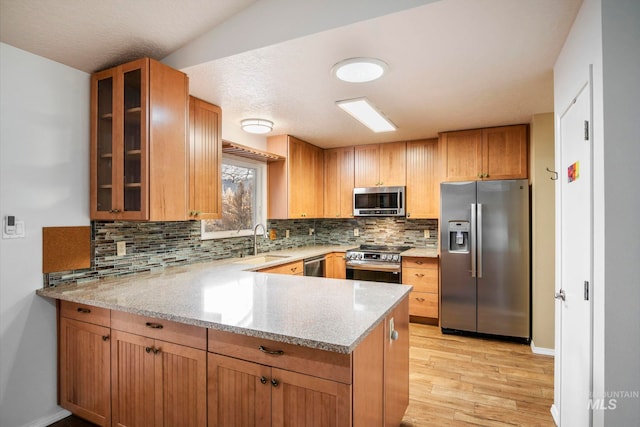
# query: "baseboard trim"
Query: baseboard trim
{"points": [[555, 414], [49, 419], [542, 350]]}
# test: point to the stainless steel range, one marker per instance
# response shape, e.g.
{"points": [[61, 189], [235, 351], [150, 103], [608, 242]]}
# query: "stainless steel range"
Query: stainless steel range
{"points": [[376, 263]]}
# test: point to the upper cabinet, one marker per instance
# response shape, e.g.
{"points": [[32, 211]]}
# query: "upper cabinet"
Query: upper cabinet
{"points": [[295, 184], [491, 153], [139, 142], [423, 181], [338, 182], [205, 160], [380, 165]]}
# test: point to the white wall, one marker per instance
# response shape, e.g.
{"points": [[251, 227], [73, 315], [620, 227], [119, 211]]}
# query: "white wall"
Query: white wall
{"points": [[611, 26], [44, 181]]}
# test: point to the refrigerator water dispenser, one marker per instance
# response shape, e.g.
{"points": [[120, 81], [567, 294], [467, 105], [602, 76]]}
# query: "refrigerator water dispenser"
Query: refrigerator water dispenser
{"points": [[459, 236]]}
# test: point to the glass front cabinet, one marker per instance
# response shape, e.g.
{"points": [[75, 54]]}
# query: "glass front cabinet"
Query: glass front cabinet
{"points": [[139, 131]]}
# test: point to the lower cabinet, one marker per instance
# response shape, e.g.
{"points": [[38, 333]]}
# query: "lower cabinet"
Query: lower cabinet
{"points": [[422, 274], [336, 265], [84, 349], [295, 268], [156, 382]]}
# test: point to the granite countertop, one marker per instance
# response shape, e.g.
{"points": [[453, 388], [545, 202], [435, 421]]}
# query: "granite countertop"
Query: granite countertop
{"points": [[424, 252], [328, 314]]}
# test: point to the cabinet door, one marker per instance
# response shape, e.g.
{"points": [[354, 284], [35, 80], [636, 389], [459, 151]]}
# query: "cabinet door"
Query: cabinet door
{"points": [[392, 169], [423, 183], [396, 364], [367, 165], [181, 385], [305, 401], [314, 193], [461, 155], [339, 265], [239, 392], [338, 182], [297, 163], [205, 160], [132, 380], [84, 370], [505, 152]]}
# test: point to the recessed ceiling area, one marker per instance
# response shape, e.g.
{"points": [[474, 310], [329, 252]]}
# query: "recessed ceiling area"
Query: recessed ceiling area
{"points": [[452, 64]]}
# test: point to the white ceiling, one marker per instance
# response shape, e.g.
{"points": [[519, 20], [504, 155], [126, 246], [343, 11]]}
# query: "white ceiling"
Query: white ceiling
{"points": [[453, 64]]}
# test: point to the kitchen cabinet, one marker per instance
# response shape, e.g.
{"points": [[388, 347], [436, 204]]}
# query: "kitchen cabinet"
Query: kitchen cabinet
{"points": [[422, 274], [338, 182], [490, 153], [423, 179], [205, 160], [295, 184], [295, 268], [380, 165], [84, 360], [158, 374], [139, 143], [336, 265]]}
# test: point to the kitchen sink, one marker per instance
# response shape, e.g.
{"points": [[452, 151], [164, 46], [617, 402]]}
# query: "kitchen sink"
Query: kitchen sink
{"points": [[262, 259]]}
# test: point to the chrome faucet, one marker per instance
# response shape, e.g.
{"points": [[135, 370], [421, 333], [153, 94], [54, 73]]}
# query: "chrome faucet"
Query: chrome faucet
{"points": [[255, 237]]}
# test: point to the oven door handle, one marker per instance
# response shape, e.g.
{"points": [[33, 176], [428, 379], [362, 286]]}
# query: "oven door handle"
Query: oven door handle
{"points": [[375, 267]]}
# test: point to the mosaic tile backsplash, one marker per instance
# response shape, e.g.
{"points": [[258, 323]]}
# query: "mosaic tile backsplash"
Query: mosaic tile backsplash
{"points": [[156, 245]]}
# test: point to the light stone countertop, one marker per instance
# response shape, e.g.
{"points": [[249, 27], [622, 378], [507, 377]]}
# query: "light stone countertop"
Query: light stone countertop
{"points": [[423, 252], [328, 314]]}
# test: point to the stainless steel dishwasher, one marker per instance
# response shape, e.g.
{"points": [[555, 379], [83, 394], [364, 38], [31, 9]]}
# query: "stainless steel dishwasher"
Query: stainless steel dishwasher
{"points": [[314, 266]]}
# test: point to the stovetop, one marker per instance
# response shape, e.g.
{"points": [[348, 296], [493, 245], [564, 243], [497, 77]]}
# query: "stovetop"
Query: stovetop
{"points": [[383, 248]]}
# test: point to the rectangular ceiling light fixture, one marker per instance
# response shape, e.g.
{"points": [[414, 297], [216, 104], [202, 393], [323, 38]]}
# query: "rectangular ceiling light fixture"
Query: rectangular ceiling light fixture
{"points": [[362, 110]]}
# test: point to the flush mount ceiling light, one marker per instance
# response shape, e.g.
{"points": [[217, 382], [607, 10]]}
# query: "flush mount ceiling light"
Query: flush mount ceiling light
{"points": [[257, 125], [362, 110], [359, 70]]}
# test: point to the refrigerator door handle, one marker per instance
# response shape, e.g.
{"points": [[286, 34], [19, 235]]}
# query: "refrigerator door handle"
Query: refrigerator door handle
{"points": [[473, 240], [479, 239]]}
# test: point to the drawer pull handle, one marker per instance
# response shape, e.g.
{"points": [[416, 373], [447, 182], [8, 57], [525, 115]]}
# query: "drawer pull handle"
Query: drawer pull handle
{"points": [[154, 325], [263, 379], [148, 349], [84, 310], [271, 352], [274, 382], [419, 274], [419, 262], [156, 350], [420, 299], [105, 338]]}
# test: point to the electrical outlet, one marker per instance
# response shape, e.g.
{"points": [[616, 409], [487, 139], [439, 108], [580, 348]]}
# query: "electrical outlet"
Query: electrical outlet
{"points": [[311, 231], [427, 234], [287, 233], [356, 232], [121, 248]]}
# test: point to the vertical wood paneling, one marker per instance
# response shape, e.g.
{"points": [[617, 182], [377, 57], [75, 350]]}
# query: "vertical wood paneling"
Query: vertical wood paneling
{"points": [[393, 164], [332, 183], [368, 376], [461, 155], [367, 165], [423, 183], [346, 162], [505, 152]]}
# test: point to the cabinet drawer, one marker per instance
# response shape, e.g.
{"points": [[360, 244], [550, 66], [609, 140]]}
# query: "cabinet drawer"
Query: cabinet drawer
{"points": [[420, 262], [422, 279], [423, 304], [305, 360], [86, 313], [294, 268], [165, 330]]}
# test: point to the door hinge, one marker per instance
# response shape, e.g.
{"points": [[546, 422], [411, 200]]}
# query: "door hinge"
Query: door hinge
{"points": [[586, 130], [586, 290]]}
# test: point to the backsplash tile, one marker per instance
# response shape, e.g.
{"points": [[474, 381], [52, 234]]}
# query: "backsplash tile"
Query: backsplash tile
{"points": [[156, 245]]}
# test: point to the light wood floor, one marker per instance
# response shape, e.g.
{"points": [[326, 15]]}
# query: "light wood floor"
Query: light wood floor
{"points": [[462, 381]]}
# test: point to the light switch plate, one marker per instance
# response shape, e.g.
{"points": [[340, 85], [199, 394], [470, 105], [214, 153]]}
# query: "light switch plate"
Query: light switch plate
{"points": [[287, 233], [18, 230], [356, 232], [427, 234], [121, 248]]}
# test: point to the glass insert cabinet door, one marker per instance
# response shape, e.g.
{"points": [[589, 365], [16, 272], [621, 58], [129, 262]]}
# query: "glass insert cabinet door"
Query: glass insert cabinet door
{"points": [[119, 107]]}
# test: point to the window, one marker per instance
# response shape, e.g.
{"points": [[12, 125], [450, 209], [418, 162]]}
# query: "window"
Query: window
{"points": [[243, 200]]}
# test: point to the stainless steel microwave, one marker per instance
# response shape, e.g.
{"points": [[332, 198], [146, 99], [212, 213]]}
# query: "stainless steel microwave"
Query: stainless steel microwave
{"points": [[379, 201]]}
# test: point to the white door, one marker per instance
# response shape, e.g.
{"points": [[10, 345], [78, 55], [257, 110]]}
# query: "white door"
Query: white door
{"points": [[575, 262]]}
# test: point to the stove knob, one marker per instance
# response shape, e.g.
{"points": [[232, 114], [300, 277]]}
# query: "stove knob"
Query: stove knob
{"points": [[360, 255], [396, 258], [384, 257]]}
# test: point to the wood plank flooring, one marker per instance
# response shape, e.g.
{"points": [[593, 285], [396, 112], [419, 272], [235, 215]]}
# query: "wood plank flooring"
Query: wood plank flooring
{"points": [[462, 381]]}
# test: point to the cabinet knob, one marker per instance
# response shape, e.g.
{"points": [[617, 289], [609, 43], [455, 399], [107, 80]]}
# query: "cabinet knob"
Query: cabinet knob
{"points": [[105, 338], [148, 349], [114, 211], [263, 379], [156, 350], [419, 275], [394, 335], [408, 214], [274, 382], [420, 299]]}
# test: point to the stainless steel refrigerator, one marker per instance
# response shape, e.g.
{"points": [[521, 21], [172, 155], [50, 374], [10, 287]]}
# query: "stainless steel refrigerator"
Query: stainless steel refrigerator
{"points": [[484, 249]]}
